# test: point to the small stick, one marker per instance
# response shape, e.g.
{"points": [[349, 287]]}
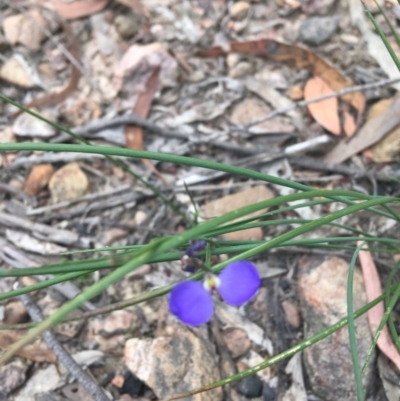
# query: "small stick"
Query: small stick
{"points": [[63, 356]]}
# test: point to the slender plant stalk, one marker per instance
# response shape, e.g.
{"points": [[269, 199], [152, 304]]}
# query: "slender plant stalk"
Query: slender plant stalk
{"points": [[351, 326]]}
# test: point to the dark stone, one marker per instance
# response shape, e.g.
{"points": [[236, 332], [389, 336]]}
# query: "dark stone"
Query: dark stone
{"points": [[316, 30], [284, 284], [268, 393], [132, 385], [250, 386]]}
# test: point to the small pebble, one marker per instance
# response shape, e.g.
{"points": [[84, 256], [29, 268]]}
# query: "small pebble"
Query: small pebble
{"points": [[132, 385], [268, 393], [239, 10], [250, 386], [317, 30], [127, 25]]}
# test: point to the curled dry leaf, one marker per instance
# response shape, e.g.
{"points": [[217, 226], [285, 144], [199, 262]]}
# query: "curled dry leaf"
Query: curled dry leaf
{"points": [[36, 352], [38, 178], [325, 112], [375, 315]]}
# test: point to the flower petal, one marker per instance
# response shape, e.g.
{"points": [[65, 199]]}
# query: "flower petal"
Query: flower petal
{"points": [[239, 282], [191, 303]]}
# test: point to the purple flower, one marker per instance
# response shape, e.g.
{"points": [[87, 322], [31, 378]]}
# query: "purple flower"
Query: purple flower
{"points": [[191, 301], [195, 247]]}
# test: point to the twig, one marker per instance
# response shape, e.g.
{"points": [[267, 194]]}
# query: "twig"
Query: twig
{"points": [[341, 92], [63, 356]]}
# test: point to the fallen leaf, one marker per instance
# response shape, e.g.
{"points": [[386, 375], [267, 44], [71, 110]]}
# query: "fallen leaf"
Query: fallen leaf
{"points": [[75, 8], [325, 112], [388, 147], [134, 134], [349, 125], [375, 315], [35, 352], [369, 134], [38, 178], [297, 57]]}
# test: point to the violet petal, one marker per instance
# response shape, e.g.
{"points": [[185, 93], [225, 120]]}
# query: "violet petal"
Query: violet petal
{"points": [[191, 303], [239, 282]]}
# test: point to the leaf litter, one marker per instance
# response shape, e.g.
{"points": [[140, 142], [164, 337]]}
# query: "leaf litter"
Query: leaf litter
{"points": [[194, 78]]}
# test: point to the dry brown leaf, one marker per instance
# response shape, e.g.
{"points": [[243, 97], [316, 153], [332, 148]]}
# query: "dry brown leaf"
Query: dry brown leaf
{"points": [[349, 125], [325, 112], [38, 178], [369, 134], [375, 315], [387, 148], [35, 352], [299, 58], [134, 134], [75, 8]]}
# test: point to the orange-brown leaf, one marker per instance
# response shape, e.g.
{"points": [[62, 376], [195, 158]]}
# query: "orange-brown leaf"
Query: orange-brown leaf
{"points": [[375, 315], [38, 178], [325, 112]]}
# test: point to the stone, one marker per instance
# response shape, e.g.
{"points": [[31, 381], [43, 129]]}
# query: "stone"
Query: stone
{"points": [[170, 365], [239, 10], [25, 29], [28, 125], [16, 70], [109, 332], [127, 25], [11, 377], [322, 290], [42, 380], [269, 393], [241, 69], [250, 386], [236, 341], [68, 183], [317, 30], [7, 135]]}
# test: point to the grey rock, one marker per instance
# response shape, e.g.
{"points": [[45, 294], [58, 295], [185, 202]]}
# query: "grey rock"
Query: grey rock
{"points": [[317, 30], [171, 365], [322, 289], [11, 377]]}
